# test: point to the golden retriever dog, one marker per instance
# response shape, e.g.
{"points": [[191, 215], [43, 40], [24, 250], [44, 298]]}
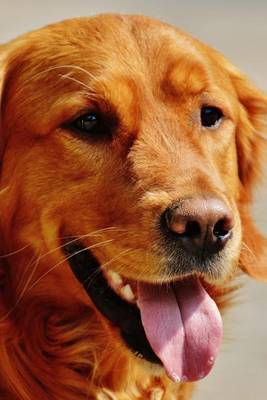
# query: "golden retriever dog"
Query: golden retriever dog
{"points": [[129, 151]]}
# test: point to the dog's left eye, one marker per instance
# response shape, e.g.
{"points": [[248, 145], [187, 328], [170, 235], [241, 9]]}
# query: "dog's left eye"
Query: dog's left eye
{"points": [[210, 116]]}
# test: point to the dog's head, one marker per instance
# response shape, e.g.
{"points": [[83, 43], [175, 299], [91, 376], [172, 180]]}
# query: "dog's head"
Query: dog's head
{"points": [[129, 152]]}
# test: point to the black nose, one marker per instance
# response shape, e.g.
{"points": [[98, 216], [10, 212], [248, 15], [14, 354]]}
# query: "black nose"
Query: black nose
{"points": [[200, 226]]}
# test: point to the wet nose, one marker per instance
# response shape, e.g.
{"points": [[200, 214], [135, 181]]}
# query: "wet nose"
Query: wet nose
{"points": [[199, 225]]}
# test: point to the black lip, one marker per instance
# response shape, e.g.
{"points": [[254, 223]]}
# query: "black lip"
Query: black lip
{"points": [[121, 314]]}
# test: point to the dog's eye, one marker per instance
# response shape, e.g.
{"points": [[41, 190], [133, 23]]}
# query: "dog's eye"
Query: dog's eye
{"points": [[211, 116], [87, 123], [90, 125]]}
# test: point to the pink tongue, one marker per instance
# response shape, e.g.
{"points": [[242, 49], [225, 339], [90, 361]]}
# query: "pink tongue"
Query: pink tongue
{"points": [[183, 326]]}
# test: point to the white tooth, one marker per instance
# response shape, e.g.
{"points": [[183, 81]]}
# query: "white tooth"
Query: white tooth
{"points": [[115, 277], [175, 377], [127, 292]]}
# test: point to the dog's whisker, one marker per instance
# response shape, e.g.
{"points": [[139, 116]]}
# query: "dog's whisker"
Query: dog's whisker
{"points": [[29, 278], [77, 239], [71, 78], [74, 239], [4, 189], [12, 253], [23, 291], [96, 232], [72, 66], [25, 272], [90, 280], [67, 258], [247, 248], [122, 253]]}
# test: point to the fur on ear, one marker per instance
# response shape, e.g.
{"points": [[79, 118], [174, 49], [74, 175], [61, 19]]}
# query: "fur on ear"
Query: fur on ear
{"points": [[253, 256], [251, 133], [2, 190], [6, 198], [251, 141], [2, 79]]}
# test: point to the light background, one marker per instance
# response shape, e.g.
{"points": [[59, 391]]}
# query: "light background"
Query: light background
{"points": [[238, 29]]}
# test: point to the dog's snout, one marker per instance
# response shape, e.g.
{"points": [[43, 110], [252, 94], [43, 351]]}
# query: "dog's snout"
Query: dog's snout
{"points": [[199, 225]]}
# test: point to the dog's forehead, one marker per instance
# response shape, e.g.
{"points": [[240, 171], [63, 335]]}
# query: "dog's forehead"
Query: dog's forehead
{"points": [[115, 59], [133, 45]]}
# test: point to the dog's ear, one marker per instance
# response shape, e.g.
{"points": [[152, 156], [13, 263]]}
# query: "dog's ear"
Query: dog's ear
{"points": [[251, 139], [6, 198], [3, 72], [2, 78], [3, 64], [253, 255], [251, 134], [251, 142], [2, 81]]}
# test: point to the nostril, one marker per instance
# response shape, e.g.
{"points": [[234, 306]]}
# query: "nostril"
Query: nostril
{"points": [[178, 227], [199, 227], [181, 225], [222, 228]]}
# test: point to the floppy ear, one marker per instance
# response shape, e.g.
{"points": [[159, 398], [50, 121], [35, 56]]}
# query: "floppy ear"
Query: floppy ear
{"points": [[251, 141], [251, 135], [253, 256], [2, 74], [6, 201], [3, 64]]}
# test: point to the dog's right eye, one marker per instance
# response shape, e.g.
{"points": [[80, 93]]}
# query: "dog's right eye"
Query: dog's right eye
{"points": [[90, 125], [86, 123]]}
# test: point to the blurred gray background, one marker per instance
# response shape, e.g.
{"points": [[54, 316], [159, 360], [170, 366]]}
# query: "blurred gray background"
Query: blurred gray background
{"points": [[238, 29]]}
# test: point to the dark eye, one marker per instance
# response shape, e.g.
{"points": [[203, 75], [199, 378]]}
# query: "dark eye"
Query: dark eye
{"points": [[90, 125], [210, 116]]}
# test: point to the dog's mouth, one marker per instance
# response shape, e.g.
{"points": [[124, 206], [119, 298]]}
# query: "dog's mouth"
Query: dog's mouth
{"points": [[176, 325]]}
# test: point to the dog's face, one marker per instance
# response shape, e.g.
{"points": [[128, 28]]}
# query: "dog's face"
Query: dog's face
{"points": [[128, 138]]}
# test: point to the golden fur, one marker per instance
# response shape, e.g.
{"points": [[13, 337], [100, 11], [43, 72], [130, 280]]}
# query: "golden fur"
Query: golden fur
{"points": [[152, 78]]}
